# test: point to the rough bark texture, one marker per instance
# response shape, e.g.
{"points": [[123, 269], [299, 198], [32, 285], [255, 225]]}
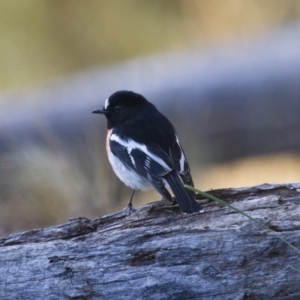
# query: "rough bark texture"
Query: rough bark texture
{"points": [[159, 253]]}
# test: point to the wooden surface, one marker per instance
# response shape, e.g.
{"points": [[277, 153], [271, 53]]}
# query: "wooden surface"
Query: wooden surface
{"points": [[159, 253]]}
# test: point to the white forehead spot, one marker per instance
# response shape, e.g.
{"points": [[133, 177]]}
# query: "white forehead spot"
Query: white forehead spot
{"points": [[106, 103]]}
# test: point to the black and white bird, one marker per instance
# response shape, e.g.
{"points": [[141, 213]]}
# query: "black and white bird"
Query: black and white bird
{"points": [[144, 150]]}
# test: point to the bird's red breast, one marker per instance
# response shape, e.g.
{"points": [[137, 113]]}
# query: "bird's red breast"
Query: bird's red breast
{"points": [[107, 141]]}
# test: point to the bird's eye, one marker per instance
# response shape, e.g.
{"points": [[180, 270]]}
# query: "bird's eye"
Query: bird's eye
{"points": [[117, 108]]}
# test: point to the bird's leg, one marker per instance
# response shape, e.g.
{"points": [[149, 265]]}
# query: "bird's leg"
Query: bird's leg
{"points": [[174, 201], [168, 200], [130, 200], [129, 205]]}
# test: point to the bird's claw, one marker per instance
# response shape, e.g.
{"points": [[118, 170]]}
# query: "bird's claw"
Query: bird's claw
{"points": [[129, 209]]}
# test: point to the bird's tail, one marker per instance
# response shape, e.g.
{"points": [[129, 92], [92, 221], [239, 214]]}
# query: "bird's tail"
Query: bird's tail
{"points": [[185, 200]]}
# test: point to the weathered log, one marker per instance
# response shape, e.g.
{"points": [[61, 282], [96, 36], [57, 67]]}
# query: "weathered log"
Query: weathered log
{"points": [[159, 253]]}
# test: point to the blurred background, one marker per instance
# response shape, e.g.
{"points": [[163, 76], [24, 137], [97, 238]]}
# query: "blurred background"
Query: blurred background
{"points": [[226, 73]]}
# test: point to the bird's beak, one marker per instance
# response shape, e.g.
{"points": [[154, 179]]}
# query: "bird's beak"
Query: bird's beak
{"points": [[100, 111]]}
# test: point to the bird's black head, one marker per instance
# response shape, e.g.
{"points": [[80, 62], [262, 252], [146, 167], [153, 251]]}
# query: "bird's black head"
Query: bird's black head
{"points": [[121, 106]]}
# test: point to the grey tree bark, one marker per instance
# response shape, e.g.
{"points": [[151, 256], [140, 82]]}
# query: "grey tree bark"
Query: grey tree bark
{"points": [[159, 253]]}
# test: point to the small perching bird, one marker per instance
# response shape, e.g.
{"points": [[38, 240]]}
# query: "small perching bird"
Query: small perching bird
{"points": [[144, 150]]}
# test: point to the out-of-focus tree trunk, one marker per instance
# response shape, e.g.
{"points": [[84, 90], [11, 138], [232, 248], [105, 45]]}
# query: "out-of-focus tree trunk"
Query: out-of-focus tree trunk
{"points": [[243, 96]]}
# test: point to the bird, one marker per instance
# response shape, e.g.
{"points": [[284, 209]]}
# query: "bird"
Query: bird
{"points": [[144, 151]]}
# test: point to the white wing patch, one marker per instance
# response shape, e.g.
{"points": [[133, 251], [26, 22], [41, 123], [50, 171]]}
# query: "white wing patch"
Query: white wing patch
{"points": [[131, 157], [106, 103], [147, 163], [130, 145], [182, 158]]}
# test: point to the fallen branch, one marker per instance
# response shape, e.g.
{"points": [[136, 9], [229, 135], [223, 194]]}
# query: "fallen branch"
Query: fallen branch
{"points": [[159, 253]]}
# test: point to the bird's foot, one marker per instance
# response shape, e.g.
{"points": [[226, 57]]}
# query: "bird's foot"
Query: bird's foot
{"points": [[129, 209], [174, 201], [167, 201]]}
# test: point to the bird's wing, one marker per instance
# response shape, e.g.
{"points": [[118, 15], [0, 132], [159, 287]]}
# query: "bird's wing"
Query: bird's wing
{"points": [[144, 159], [150, 162], [180, 163], [154, 164]]}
